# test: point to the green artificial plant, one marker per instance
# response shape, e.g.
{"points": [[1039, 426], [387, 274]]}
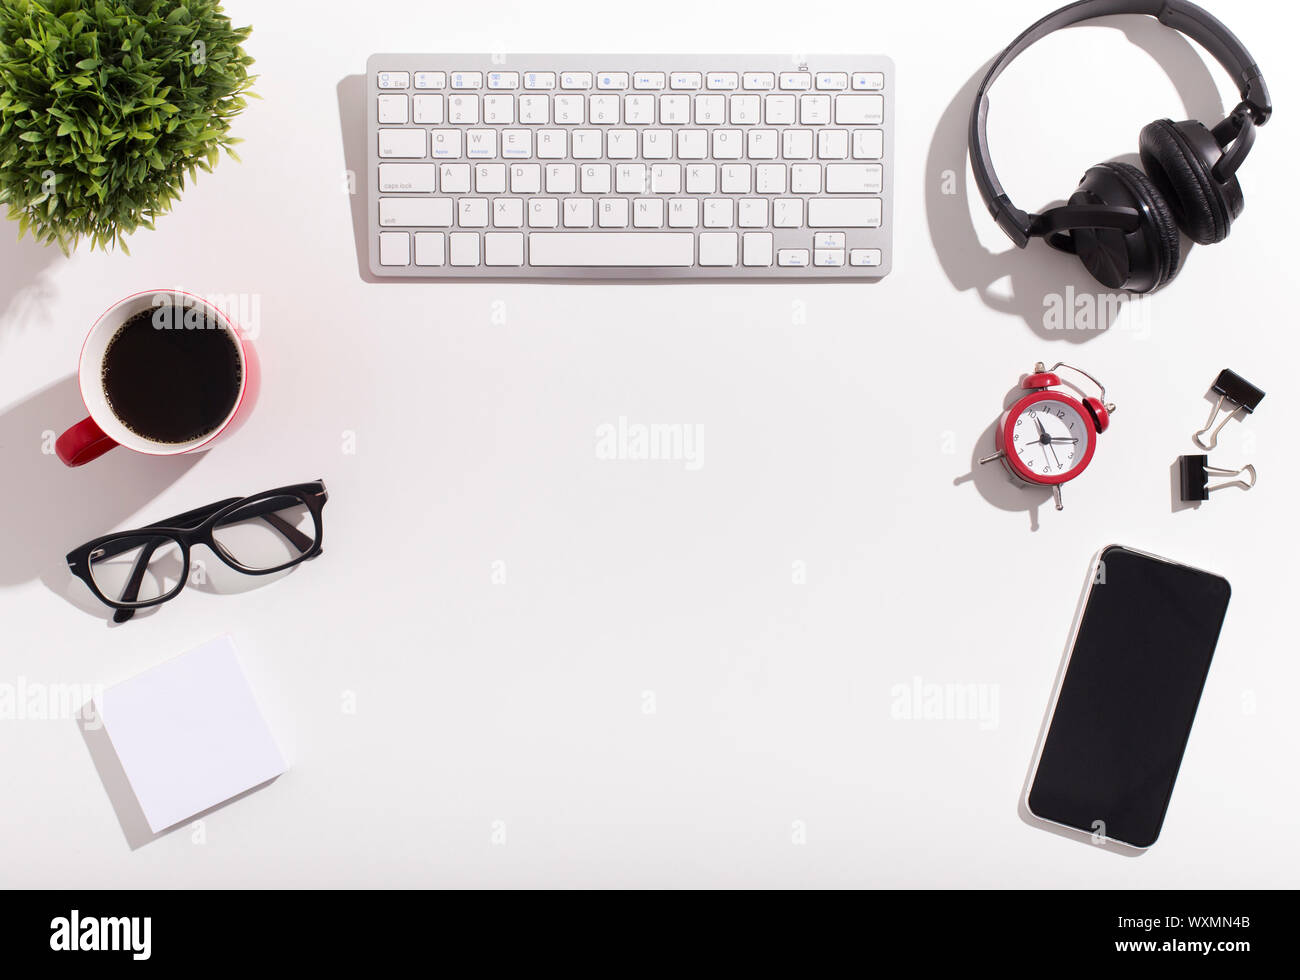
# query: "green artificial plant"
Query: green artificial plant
{"points": [[107, 105]]}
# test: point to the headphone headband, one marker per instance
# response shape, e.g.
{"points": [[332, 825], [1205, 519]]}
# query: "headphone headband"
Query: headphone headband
{"points": [[1186, 18]]}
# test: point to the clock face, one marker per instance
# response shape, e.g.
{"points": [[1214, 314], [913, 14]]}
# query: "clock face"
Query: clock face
{"points": [[1050, 439]]}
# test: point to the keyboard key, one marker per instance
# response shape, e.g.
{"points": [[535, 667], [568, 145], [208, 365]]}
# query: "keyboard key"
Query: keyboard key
{"points": [[758, 248], [674, 110], [648, 80], [763, 144], [456, 178], [516, 143], [611, 80], [850, 109], [718, 248], [796, 257], [683, 212], [868, 144], [780, 110], [832, 257], [814, 110], [832, 144], [427, 109], [394, 248], [472, 212], [648, 212], [844, 212], [868, 81], [539, 80], [684, 80], [395, 79], [853, 178], [392, 109], [414, 178], [503, 248], [462, 109], [464, 248], [481, 143], [430, 248], [828, 239], [639, 110], [498, 110], [759, 80], [570, 110], [806, 178], [612, 212], [413, 212], [603, 110], [403, 143], [797, 144], [466, 79], [787, 213], [579, 212], [430, 79], [710, 110], [490, 178], [724, 80], [746, 110], [864, 256], [832, 80], [526, 178], [612, 249], [796, 81], [575, 79], [503, 79], [534, 110], [543, 212]]}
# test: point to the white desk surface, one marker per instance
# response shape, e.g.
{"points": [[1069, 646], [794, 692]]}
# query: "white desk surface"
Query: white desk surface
{"points": [[648, 699]]}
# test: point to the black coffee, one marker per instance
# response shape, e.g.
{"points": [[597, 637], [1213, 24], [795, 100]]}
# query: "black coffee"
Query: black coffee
{"points": [[169, 383]]}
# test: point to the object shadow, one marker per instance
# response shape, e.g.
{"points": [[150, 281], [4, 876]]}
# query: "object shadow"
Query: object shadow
{"points": [[26, 288], [1022, 809], [992, 480], [351, 91], [1037, 272], [126, 806], [51, 508]]}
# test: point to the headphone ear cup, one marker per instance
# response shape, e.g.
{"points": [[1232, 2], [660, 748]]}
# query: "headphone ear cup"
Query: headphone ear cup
{"points": [[1179, 158], [1139, 261]]}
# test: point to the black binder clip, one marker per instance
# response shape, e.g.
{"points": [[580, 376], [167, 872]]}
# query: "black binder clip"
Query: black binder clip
{"points": [[1233, 388], [1196, 471]]}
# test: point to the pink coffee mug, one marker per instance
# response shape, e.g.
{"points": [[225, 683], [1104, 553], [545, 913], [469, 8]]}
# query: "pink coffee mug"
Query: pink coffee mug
{"points": [[102, 430]]}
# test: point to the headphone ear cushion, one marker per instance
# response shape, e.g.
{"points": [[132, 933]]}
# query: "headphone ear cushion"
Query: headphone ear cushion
{"points": [[1183, 175], [1097, 247]]}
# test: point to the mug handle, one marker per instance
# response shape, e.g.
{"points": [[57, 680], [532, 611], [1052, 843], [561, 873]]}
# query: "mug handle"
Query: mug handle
{"points": [[82, 443]]}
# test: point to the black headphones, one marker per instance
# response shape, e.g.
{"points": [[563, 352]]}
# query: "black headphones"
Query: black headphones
{"points": [[1123, 223]]}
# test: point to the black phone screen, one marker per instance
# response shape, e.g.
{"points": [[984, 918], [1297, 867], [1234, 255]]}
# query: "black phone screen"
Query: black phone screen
{"points": [[1126, 703]]}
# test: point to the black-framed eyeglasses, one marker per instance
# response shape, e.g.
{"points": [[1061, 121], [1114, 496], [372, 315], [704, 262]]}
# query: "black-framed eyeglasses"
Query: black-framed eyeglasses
{"points": [[256, 535]]}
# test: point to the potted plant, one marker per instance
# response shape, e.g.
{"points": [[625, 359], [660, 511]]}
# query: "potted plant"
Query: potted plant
{"points": [[106, 106]]}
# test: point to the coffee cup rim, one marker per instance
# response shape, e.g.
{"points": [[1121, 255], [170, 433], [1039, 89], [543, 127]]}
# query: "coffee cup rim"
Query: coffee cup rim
{"points": [[91, 385]]}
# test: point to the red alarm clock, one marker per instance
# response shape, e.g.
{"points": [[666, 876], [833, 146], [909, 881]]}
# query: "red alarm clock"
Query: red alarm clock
{"points": [[1047, 438]]}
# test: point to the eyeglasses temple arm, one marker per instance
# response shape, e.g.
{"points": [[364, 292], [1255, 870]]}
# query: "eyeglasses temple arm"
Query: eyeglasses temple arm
{"points": [[132, 590]]}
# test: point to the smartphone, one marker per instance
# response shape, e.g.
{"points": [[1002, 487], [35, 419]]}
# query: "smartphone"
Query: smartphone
{"points": [[1124, 707]]}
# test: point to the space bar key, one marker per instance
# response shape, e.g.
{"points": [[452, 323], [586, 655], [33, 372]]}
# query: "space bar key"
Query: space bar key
{"points": [[596, 249]]}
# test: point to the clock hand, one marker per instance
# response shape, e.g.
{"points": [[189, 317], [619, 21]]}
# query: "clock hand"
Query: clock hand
{"points": [[1054, 456]]}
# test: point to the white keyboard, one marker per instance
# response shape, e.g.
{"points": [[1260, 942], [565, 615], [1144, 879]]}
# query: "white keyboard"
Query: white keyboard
{"points": [[630, 166]]}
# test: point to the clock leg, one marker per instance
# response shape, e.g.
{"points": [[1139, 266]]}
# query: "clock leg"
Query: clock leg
{"points": [[990, 459], [1056, 492]]}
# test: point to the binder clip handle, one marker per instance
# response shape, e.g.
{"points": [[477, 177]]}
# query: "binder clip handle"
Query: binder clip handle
{"points": [[1231, 387], [1195, 473]]}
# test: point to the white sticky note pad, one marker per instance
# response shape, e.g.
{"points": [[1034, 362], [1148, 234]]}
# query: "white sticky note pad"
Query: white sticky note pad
{"points": [[189, 734]]}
